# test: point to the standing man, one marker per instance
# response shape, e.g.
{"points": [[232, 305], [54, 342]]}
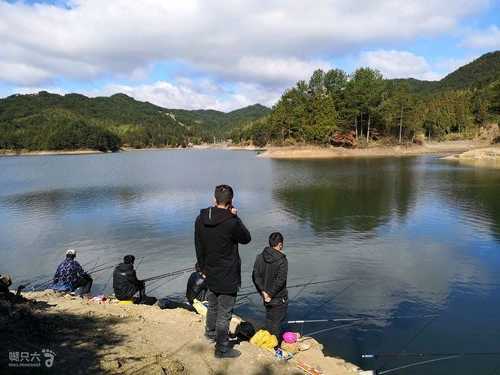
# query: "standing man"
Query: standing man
{"points": [[218, 231], [269, 276], [70, 276]]}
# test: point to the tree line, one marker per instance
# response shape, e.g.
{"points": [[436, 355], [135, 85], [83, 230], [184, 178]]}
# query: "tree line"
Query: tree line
{"points": [[46, 121], [369, 107]]}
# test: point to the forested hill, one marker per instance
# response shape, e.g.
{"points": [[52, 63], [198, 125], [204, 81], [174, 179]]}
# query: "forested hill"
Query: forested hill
{"points": [[46, 121], [477, 74], [338, 108]]}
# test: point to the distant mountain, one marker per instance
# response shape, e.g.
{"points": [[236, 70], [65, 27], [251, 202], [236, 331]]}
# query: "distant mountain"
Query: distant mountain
{"points": [[135, 123], [477, 74], [216, 123]]}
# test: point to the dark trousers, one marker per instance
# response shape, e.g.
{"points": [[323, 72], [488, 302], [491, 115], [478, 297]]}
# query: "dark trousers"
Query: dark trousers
{"points": [[85, 284], [220, 311], [276, 312]]}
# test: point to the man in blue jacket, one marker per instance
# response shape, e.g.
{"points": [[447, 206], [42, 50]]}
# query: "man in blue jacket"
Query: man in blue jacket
{"points": [[70, 276], [218, 231]]}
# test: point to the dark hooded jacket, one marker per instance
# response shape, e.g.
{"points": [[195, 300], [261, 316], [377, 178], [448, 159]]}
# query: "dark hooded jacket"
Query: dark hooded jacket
{"points": [[125, 282], [270, 273], [217, 234]]}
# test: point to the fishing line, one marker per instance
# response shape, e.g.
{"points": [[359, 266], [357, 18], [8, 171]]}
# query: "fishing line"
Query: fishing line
{"points": [[359, 319], [164, 275], [416, 364], [297, 286], [414, 337], [303, 288], [165, 282], [330, 329]]}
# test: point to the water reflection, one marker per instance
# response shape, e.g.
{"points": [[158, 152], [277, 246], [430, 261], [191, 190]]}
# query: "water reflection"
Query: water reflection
{"points": [[346, 195], [416, 235]]}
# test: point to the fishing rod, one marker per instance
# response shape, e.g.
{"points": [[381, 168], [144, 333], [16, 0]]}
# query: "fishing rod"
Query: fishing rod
{"points": [[329, 329], [297, 286], [428, 354], [174, 273], [417, 334], [163, 283], [358, 319], [438, 358], [414, 364]]}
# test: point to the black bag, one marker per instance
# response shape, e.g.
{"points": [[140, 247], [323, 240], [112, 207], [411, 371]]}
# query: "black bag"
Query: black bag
{"points": [[245, 331], [196, 287]]}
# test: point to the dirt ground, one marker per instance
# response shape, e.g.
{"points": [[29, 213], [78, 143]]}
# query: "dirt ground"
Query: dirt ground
{"points": [[90, 338]]}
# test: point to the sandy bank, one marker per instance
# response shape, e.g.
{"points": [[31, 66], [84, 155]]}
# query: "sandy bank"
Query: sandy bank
{"points": [[133, 339], [482, 157], [315, 152]]}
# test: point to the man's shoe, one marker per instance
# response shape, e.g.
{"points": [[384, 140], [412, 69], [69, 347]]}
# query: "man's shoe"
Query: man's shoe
{"points": [[210, 339], [230, 353]]}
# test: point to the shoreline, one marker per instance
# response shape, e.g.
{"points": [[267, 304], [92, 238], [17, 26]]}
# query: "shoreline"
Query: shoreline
{"points": [[117, 338], [296, 152], [317, 152], [481, 157], [50, 152]]}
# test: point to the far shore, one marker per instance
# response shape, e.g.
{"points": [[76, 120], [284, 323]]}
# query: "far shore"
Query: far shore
{"points": [[480, 157], [48, 152], [317, 152], [295, 152]]}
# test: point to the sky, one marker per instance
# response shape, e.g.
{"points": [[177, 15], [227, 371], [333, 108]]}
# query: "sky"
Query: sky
{"points": [[227, 54]]}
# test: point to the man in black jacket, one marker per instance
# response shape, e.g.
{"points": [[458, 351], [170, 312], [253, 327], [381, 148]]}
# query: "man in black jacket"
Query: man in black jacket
{"points": [[126, 284], [218, 231], [269, 276]]}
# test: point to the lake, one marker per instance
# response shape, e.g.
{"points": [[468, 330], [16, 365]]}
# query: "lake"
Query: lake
{"points": [[411, 237]]}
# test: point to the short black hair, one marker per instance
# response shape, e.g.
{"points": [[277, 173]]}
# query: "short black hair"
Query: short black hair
{"points": [[223, 194], [128, 259], [275, 238]]}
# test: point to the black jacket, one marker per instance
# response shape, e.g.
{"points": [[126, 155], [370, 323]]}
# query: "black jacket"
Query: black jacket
{"points": [[125, 282], [270, 272], [217, 234]]}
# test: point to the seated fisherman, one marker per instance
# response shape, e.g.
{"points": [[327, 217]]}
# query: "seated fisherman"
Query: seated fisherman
{"points": [[70, 276], [6, 294], [126, 284], [196, 287]]}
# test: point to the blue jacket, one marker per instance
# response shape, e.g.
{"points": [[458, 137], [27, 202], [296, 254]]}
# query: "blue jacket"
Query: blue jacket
{"points": [[67, 275]]}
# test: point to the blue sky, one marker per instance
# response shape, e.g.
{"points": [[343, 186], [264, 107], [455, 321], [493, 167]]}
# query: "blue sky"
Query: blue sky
{"points": [[226, 54]]}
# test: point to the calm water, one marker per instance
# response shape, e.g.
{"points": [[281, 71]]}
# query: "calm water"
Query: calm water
{"points": [[416, 236]]}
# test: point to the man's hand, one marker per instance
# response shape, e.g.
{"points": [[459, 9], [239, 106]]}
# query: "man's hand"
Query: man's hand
{"points": [[266, 297], [234, 211]]}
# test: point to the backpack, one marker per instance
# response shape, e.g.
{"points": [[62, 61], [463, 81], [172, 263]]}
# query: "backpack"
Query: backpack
{"points": [[245, 331]]}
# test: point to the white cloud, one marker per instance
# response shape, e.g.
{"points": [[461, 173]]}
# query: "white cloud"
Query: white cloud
{"points": [[189, 94], [398, 64], [243, 41], [484, 39], [404, 64]]}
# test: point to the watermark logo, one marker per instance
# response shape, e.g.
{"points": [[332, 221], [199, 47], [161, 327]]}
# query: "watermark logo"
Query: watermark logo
{"points": [[35, 359]]}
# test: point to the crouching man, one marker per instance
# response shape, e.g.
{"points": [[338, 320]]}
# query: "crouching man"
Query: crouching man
{"points": [[126, 285], [70, 276]]}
